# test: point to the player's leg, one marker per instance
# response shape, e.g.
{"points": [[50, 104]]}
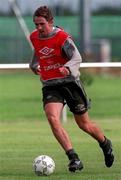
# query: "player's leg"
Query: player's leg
{"points": [[78, 103], [89, 126], [92, 129], [53, 112]]}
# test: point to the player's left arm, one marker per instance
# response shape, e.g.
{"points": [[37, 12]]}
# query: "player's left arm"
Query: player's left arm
{"points": [[73, 56]]}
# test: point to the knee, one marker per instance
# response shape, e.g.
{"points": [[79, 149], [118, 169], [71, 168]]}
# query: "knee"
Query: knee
{"points": [[84, 126], [83, 123], [87, 126], [54, 122], [51, 118]]}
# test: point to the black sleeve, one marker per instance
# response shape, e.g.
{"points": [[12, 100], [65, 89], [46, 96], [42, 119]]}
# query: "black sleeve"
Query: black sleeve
{"points": [[34, 63], [68, 49]]}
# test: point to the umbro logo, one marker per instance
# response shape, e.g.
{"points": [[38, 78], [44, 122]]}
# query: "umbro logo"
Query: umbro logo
{"points": [[46, 50]]}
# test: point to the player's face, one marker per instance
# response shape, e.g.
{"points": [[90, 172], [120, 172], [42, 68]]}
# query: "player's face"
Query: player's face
{"points": [[43, 26]]}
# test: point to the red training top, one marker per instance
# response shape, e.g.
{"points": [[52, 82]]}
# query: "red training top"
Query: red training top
{"points": [[49, 53]]}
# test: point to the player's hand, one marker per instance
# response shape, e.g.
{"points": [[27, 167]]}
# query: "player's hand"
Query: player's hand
{"points": [[65, 71], [38, 70]]}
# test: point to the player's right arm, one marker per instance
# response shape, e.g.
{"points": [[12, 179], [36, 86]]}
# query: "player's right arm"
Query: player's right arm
{"points": [[34, 65]]}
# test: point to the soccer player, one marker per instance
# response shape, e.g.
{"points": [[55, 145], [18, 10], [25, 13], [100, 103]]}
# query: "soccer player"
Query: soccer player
{"points": [[57, 60]]}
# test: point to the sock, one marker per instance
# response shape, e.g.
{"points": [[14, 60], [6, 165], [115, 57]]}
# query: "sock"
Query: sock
{"points": [[71, 154], [102, 144]]}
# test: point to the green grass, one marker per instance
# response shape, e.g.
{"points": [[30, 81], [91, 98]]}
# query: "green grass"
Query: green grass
{"points": [[20, 96], [25, 133], [21, 141], [105, 93]]}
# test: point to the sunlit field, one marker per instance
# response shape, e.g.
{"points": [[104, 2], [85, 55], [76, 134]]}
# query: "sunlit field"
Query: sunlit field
{"points": [[25, 133]]}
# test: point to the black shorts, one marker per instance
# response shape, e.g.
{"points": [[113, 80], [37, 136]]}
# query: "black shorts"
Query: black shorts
{"points": [[71, 93]]}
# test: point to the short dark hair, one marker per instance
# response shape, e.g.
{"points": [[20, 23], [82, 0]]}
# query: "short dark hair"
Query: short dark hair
{"points": [[45, 12]]}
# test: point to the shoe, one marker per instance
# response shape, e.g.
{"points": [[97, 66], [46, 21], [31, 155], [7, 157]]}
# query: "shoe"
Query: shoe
{"points": [[75, 164], [108, 153]]}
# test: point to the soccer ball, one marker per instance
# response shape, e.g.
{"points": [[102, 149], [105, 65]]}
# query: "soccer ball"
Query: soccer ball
{"points": [[43, 165]]}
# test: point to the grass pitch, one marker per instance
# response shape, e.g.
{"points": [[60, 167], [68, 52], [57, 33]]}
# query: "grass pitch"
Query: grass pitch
{"points": [[21, 141], [20, 96], [25, 133]]}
